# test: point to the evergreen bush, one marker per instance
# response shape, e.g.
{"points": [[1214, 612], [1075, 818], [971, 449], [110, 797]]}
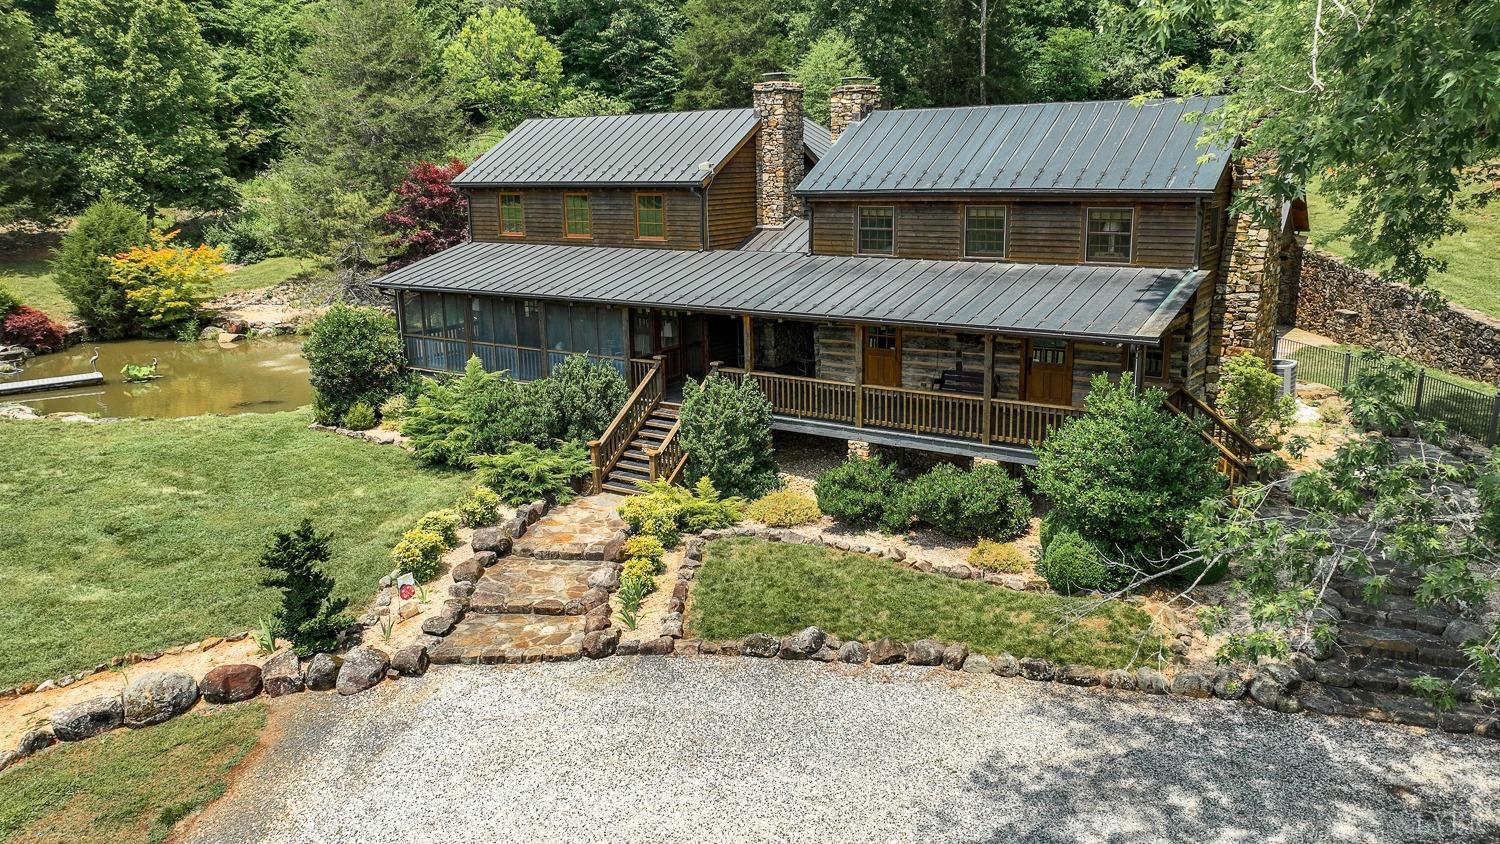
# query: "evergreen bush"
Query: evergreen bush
{"points": [[983, 502], [783, 508], [526, 473], [82, 265], [1248, 397], [1071, 563], [354, 355], [309, 616], [584, 396], [861, 492], [664, 510], [726, 433], [478, 507], [8, 300], [359, 417], [444, 523], [998, 556], [419, 553]]}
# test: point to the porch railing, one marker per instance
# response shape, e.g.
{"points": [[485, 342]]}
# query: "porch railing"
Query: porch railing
{"points": [[665, 462], [1236, 451], [605, 451], [955, 415]]}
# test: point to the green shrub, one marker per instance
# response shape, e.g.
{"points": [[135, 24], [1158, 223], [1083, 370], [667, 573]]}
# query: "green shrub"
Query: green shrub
{"points": [[726, 433], [1488, 487], [480, 412], [420, 552], [1376, 394], [444, 523], [664, 510], [309, 616], [359, 417], [1071, 563], [478, 507], [645, 547], [584, 396], [983, 502], [998, 556], [859, 492], [641, 567], [354, 355], [1248, 397], [323, 411], [82, 270], [8, 300], [1127, 474], [783, 508], [525, 473], [394, 409]]}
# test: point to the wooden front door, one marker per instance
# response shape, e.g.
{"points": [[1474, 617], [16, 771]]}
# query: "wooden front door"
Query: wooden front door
{"points": [[669, 342], [882, 356], [1049, 371]]}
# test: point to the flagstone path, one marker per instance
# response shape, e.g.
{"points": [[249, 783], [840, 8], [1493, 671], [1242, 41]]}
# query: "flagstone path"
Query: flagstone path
{"points": [[536, 604]]}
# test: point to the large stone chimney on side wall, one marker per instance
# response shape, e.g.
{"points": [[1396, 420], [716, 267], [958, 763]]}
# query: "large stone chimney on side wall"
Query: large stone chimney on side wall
{"points": [[778, 148], [849, 101]]}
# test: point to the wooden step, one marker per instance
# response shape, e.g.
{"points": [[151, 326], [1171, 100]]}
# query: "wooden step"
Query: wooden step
{"points": [[620, 489]]}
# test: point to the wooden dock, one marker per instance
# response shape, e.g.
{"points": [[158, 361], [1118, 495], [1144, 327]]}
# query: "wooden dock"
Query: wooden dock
{"points": [[61, 382]]}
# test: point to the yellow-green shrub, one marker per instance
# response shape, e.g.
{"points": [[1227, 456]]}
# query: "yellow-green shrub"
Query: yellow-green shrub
{"points": [[641, 567], [645, 546], [444, 523], [998, 556], [478, 507], [784, 508], [419, 552]]}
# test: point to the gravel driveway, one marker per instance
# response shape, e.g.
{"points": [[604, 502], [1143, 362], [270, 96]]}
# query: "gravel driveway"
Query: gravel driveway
{"points": [[722, 750]]}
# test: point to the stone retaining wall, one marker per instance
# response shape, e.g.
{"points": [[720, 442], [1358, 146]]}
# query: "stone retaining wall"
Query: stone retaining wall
{"points": [[1354, 306]]}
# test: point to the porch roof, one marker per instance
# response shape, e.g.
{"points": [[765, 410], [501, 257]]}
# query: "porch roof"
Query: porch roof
{"points": [[1104, 303]]}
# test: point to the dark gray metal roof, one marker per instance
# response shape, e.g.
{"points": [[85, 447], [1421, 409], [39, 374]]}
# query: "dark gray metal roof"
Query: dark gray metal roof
{"points": [[792, 237], [1112, 304], [657, 150], [817, 141], [1094, 147]]}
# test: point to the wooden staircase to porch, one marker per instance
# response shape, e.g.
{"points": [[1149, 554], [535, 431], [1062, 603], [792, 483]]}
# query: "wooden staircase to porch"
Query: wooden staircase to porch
{"points": [[641, 443], [655, 434]]}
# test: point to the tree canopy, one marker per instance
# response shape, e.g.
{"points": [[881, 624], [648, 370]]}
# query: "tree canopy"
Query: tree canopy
{"points": [[499, 65]]}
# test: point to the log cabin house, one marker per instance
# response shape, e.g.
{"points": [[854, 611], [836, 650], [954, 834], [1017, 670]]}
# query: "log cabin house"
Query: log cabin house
{"points": [[948, 280]]}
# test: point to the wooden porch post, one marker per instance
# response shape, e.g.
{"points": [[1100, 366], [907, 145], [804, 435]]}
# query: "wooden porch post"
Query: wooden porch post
{"points": [[469, 328], [1140, 367], [749, 344], [859, 375], [986, 409]]}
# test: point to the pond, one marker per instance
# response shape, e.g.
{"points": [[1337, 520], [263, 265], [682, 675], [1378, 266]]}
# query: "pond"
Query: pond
{"points": [[262, 375]]}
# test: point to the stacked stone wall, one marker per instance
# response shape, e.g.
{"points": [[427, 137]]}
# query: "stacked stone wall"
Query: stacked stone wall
{"points": [[778, 150], [850, 101]]}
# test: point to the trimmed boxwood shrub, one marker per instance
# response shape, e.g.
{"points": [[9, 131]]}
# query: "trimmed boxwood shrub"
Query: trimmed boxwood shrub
{"points": [[419, 552], [584, 395], [478, 507], [354, 355], [1071, 563], [983, 502], [359, 417], [998, 556], [861, 492]]}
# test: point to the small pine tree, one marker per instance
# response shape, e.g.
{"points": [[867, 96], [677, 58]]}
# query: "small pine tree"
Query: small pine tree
{"points": [[310, 616], [726, 432]]}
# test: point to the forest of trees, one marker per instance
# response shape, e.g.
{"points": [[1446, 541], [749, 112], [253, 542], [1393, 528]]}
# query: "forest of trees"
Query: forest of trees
{"points": [[289, 124]]}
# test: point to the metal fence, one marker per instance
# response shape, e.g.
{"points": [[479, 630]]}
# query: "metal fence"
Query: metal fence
{"points": [[1429, 395]]}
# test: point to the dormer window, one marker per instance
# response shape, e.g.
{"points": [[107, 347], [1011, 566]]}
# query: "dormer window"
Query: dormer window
{"points": [[984, 231], [650, 216], [877, 230], [512, 216], [578, 220], [1109, 235]]}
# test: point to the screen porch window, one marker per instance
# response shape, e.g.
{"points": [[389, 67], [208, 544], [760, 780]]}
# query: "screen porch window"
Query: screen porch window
{"points": [[1154, 363], [578, 221], [1109, 234], [512, 217], [984, 231], [877, 230], [650, 216]]}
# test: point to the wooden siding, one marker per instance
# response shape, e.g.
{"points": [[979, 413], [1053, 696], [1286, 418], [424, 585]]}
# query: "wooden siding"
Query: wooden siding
{"points": [[613, 211], [1090, 359], [731, 201], [1040, 231]]}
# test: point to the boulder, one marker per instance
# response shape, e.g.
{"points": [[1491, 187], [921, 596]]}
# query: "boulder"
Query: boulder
{"points": [[1037, 669], [8, 758], [1078, 675], [1119, 678], [804, 644], [230, 683], [155, 698], [1269, 690], [461, 590], [1331, 673], [88, 718], [924, 652], [1192, 684], [492, 539], [410, 661], [761, 645], [827, 653], [887, 651], [977, 664], [853, 653], [671, 625], [628, 647], [954, 656], [363, 667], [1228, 685], [1151, 681], [1007, 665], [35, 741], [1460, 631], [282, 674], [660, 646], [226, 338], [439, 625], [601, 643], [322, 672], [469, 570], [1305, 666]]}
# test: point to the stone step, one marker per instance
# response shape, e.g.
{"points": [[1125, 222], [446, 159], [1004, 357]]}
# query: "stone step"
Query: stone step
{"points": [[1400, 644], [1394, 611], [512, 638], [519, 584], [1397, 708], [1385, 675]]}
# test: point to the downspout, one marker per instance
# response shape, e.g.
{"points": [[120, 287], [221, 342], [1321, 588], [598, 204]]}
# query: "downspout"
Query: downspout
{"points": [[469, 212], [810, 230], [1198, 234]]}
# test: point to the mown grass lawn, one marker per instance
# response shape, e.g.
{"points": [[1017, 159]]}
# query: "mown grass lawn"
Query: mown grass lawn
{"points": [[140, 534], [1473, 262], [751, 586], [129, 785]]}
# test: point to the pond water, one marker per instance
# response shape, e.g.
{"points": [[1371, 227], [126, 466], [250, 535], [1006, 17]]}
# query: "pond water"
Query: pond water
{"points": [[253, 376]]}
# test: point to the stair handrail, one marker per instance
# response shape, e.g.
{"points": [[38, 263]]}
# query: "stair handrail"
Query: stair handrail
{"points": [[1234, 466], [667, 459], [605, 451], [1247, 447]]}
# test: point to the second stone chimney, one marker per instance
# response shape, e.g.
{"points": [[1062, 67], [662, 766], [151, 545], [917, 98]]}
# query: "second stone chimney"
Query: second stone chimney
{"points": [[778, 148], [849, 101]]}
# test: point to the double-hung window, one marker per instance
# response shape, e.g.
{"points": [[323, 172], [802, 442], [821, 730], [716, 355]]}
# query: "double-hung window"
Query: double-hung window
{"points": [[984, 231], [1109, 235], [650, 216], [877, 230], [512, 216], [578, 220]]}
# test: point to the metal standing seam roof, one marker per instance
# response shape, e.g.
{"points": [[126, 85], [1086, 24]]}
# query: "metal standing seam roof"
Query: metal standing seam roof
{"points": [[1107, 304], [791, 237], [1090, 147], [817, 141]]}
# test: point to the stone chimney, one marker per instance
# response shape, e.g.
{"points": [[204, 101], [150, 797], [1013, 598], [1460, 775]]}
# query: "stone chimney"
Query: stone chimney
{"points": [[778, 148], [850, 100]]}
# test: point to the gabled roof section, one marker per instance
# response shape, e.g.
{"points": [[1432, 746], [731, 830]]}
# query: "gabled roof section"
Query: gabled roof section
{"points": [[630, 150], [817, 141], [792, 237], [1092, 147], [1103, 303]]}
